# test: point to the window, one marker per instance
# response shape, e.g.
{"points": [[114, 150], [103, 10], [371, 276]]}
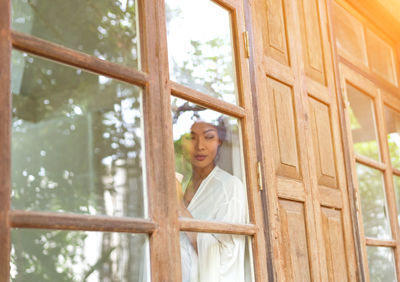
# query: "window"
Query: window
{"points": [[90, 145]]}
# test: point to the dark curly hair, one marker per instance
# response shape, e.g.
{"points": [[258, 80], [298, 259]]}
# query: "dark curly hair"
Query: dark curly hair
{"points": [[221, 129]]}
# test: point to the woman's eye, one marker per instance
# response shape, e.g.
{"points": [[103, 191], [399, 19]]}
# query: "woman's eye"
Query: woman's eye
{"points": [[210, 137]]}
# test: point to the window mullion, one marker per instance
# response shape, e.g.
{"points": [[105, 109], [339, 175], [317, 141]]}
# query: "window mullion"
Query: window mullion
{"points": [[5, 140], [164, 242]]}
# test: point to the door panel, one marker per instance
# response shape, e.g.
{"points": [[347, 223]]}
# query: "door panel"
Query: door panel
{"points": [[274, 37], [284, 123], [294, 241], [335, 250], [313, 57], [381, 57], [323, 143], [299, 124]]}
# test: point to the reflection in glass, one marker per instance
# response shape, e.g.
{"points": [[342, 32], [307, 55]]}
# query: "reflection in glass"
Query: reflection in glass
{"points": [[209, 160], [55, 255], [396, 180], [105, 29], [362, 119], [381, 264], [392, 119], [200, 47], [216, 257], [373, 203], [76, 141]]}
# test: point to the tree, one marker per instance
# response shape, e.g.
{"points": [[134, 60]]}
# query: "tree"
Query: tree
{"points": [[77, 142]]}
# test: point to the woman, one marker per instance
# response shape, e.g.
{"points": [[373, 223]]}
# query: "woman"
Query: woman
{"points": [[212, 194]]}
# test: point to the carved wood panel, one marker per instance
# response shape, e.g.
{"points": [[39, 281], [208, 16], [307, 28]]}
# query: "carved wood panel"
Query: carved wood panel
{"points": [[323, 143], [334, 244], [284, 122], [313, 56], [275, 37], [350, 39], [381, 58], [294, 241]]}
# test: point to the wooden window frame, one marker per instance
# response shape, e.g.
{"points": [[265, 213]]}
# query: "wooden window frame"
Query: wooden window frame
{"points": [[163, 224], [363, 78]]}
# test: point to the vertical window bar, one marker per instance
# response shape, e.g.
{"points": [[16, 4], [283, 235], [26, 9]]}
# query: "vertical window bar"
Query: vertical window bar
{"points": [[5, 124]]}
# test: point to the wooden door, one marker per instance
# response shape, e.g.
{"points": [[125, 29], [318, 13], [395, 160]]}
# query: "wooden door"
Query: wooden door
{"points": [[311, 228], [368, 74]]}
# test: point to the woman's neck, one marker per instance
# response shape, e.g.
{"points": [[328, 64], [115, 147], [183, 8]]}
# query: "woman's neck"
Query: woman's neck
{"points": [[200, 173]]}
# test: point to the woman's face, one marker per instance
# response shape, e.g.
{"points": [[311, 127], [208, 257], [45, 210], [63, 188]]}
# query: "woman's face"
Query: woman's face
{"points": [[204, 144]]}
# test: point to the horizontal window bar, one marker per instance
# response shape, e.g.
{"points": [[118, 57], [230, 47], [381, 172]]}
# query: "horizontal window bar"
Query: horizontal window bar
{"points": [[380, 243], [47, 220], [205, 100], [78, 59], [193, 225], [396, 171], [367, 161]]}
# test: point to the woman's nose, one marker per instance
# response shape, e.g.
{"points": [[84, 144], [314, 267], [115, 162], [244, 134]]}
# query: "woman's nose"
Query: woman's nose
{"points": [[200, 144]]}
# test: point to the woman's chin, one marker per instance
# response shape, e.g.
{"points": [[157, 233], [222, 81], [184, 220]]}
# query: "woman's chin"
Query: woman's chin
{"points": [[201, 164]]}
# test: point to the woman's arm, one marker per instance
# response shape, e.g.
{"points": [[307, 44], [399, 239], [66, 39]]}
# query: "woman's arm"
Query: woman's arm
{"points": [[183, 212]]}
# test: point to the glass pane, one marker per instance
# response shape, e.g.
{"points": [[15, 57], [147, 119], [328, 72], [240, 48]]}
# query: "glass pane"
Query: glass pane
{"points": [[209, 164], [362, 119], [76, 141], [55, 255], [373, 203], [392, 119], [396, 180], [216, 257], [381, 264], [200, 47], [105, 29]]}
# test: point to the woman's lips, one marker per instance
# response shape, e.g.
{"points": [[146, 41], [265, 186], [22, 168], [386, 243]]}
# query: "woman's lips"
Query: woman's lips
{"points": [[200, 157]]}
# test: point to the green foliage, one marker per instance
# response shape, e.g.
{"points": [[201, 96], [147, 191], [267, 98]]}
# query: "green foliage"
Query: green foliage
{"points": [[381, 264], [76, 136], [373, 202], [209, 69]]}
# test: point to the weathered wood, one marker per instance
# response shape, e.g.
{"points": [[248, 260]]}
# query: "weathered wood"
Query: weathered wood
{"points": [[369, 162], [396, 171], [247, 92], [46, 220], [348, 76], [276, 74], [205, 100], [5, 138], [371, 82], [75, 58], [262, 240], [193, 225], [367, 75], [346, 151], [380, 243], [164, 243], [390, 194], [379, 15]]}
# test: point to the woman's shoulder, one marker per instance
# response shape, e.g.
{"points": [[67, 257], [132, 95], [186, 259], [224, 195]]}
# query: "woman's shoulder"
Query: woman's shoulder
{"points": [[228, 180], [225, 176]]}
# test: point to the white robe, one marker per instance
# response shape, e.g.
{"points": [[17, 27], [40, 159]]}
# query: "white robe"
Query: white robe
{"points": [[220, 197]]}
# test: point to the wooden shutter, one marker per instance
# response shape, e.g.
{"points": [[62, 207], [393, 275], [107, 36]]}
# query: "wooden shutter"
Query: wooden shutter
{"points": [[310, 219]]}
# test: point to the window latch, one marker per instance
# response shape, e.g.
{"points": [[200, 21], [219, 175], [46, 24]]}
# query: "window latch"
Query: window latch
{"points": [[246, 44], [259, 176]]}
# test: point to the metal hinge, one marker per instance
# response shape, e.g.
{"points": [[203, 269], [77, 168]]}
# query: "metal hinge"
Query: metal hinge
{"points": [[246, 44], [259, 176]]}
